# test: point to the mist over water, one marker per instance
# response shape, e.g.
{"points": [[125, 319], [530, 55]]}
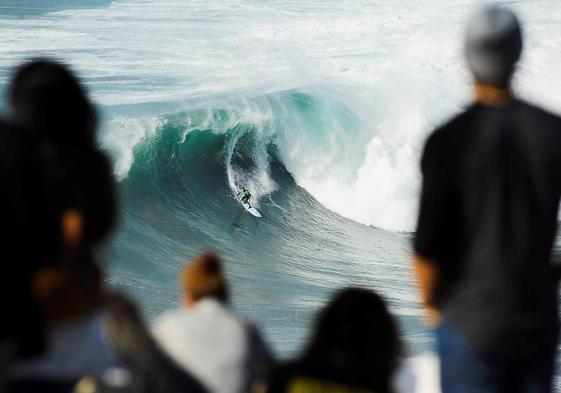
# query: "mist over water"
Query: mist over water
{"points": [[320, 108]]}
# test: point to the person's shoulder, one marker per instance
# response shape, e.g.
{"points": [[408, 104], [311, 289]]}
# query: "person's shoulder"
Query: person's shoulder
{"points": [[540, 113], [445, 136], [237, 323], [542, 124], [170, 317], [450, 128]]}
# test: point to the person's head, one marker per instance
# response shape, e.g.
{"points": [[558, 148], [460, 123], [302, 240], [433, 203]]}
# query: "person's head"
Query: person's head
{"points": [[356, 335], [493, 45], [48, 98], [204, 278]]}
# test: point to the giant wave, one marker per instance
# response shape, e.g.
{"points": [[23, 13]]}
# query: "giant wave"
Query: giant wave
{"points": [[345, 158], [178, 185]]}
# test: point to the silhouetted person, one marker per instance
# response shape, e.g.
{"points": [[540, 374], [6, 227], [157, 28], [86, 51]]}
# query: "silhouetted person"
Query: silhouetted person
{"points": [[26, 219], [487, 222], [85, 336], [30, 233], [223, 351], [354, 348], [46, 98]]}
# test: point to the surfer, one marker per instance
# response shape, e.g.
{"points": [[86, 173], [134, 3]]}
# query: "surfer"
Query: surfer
{"points": [[246, 195], [245, 198]]}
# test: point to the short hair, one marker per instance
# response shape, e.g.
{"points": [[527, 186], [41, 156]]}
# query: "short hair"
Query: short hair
{"points": [[204, 277], [46, 95], [493, 45]]}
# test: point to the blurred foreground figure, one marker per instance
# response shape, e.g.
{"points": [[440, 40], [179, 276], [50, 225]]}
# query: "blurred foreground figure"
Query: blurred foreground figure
{"points": [[355, 348], [487, 222], [87, 332], [27, 219], [207, 338]]}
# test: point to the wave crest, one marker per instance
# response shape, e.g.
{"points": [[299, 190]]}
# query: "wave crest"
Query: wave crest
{"points": [[351, 162]]}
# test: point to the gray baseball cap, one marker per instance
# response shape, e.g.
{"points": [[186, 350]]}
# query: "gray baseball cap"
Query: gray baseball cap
{"points": [[493, 45]]}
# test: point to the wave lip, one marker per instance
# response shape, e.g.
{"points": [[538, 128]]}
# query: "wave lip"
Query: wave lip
{"points": [[355, 166]]}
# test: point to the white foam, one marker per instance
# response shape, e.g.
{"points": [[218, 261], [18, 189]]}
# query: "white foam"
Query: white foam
{"points": [[120, 137], [396, 66]]}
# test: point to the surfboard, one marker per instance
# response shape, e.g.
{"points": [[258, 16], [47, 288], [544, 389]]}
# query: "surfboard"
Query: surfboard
{"points": [[251, 210]]}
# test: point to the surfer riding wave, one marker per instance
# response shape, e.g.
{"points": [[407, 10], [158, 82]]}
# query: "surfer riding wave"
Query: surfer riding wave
{"points": [[245, 195]]}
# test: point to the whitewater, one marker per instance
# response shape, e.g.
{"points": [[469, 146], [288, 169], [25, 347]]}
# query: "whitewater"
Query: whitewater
{"points": [[319, 107], [395, 67]]}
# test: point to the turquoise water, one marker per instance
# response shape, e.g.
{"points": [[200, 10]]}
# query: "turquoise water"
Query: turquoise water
{"points": [[320, 108], [178, 200]]}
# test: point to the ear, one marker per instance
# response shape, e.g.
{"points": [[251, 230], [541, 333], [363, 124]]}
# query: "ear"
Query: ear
{"points": [[72, 223]]}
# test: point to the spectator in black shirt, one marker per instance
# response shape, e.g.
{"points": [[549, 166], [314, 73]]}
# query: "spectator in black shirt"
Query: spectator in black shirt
{"points": [[487, 222]]}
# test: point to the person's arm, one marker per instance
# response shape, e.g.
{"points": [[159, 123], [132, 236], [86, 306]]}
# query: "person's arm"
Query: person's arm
{"points": [[426, 275], [431, 236]]}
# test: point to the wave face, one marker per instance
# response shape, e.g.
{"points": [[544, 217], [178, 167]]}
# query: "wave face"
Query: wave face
{"points": [[326, 146], [178, 198]]}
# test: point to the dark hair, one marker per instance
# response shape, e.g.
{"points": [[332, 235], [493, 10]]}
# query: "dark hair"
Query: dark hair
{"points": [[47, 97], [355, 336]]}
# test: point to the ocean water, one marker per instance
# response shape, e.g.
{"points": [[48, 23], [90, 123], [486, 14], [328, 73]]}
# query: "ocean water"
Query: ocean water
{"points": [[318, 107]]}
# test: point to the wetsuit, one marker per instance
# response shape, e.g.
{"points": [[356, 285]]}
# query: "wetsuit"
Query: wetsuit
{"points": [[246, 195]]}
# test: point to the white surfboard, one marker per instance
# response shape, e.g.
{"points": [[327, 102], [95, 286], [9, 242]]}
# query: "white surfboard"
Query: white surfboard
{"points": [[251, 210]]}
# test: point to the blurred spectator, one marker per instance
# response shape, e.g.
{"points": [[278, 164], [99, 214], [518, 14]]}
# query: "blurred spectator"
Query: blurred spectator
{"points": [[207, 338], [84, 335], [26, 220], [147, 368], [355, 348], [75, 179], [488, 217], [46, 98]]}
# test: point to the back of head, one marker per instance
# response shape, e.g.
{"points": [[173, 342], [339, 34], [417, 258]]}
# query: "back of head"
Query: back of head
{"points": [[493, 45], [356, 336], [46, 97], [204, 278]]}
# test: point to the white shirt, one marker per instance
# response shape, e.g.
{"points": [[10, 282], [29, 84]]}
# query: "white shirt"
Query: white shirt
{"points": [[210, 342], [419, 374]]}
